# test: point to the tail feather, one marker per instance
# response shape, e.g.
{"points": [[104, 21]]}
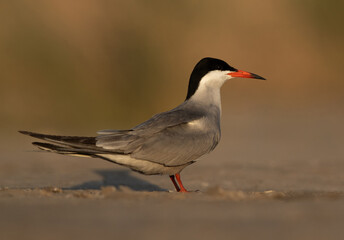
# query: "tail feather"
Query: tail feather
{"points": [[70, 145], [64, 149], [72, 141]]}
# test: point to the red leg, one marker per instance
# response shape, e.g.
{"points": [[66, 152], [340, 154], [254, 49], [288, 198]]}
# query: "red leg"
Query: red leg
{"points": [[182, 189], [174, 183]]}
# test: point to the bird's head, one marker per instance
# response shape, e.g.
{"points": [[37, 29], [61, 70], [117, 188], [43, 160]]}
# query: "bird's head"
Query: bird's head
{"points": [[213, 73]]}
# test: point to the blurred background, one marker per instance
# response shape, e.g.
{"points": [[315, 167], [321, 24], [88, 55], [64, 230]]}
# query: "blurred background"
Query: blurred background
{"points": [[75, 67]]}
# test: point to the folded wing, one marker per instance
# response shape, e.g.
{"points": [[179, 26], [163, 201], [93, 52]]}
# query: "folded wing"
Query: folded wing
{"points": [[168, 138]]}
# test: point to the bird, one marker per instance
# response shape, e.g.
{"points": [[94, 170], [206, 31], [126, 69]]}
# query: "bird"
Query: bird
{"points": [[167, 142]]}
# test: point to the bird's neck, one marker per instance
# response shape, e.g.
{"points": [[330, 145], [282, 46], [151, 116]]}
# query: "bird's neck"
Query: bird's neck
{"points": [[207, 96]]}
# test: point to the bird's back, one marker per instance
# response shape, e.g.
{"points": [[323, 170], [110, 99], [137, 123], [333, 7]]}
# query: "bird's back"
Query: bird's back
{"points": [[171, 138]]}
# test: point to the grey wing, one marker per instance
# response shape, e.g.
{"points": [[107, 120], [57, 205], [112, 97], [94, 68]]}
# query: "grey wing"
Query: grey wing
{"points": [[177, 145], [166, 138], [119, 141], [164, 120]]}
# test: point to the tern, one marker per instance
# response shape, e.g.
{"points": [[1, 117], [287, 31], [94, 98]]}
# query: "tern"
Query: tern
{"points": [[169, 141]]}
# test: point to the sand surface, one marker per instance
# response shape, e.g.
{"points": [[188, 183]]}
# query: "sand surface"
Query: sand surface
{"points": [[49, 196], [53, 213]]}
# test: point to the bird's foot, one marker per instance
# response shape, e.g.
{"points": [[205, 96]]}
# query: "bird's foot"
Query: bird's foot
{"points": [[179, 186]]}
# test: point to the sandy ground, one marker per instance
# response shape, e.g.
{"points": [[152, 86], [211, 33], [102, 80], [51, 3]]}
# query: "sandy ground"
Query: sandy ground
{"points": [[114, 213], [50, 196]]}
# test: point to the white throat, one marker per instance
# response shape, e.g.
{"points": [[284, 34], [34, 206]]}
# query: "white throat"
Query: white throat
{"points": [[208, 91]]}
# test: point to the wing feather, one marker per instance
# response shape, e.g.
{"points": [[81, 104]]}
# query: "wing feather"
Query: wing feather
{"points": [[167, 138]]}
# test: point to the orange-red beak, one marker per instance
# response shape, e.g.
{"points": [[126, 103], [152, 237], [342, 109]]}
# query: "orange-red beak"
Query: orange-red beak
{"points": [[243, 74]]}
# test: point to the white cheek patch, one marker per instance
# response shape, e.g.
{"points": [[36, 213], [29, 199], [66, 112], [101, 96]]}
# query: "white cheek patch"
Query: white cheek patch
{"points": [[214, 79]]}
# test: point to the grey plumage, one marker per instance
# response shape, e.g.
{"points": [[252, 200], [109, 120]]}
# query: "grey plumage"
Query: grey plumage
{"points": [[167, 142], [168, 138], [171, 139]]}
